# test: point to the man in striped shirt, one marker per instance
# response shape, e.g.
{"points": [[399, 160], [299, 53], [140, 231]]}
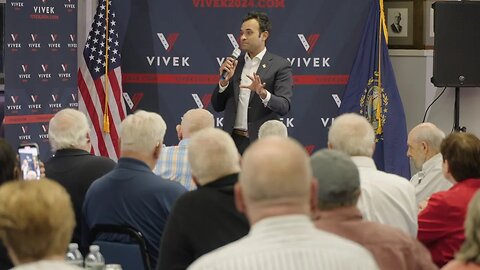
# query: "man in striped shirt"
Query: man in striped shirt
{"points": [[173, 163], [276, 192]]}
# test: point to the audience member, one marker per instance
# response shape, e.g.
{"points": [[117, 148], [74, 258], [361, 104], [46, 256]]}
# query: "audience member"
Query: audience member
{"points": [[36, 224], [386, 198], [440, 224], [72, 164], [8, 171], [206, 218], [468, 258], [272, 127], [173, 163], [8, 162], [424, 150], [338, 193], [276, 192], [131, 194]]}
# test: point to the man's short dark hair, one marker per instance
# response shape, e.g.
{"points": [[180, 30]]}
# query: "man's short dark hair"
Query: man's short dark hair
{"points": [[262, 19], [462, 151]]}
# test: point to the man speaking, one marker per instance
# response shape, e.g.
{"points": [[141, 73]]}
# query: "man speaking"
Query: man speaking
{"points": [[255, 88]]}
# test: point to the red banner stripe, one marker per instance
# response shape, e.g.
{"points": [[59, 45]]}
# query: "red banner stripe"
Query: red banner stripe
{"points": [[145, 78]]}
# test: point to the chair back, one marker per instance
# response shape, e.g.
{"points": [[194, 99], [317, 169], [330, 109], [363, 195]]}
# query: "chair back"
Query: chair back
{"points": [[131, 254]]}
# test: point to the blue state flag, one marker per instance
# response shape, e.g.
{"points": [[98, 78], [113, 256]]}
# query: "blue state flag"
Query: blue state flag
{"points": [[372, 92]]}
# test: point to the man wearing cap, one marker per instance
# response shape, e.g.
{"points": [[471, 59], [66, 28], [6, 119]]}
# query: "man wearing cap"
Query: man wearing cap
{"points": [[386, 198], [338, 192]]}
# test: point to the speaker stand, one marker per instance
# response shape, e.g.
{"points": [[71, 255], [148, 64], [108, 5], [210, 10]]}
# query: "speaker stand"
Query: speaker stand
{"points": [[456, 113]]}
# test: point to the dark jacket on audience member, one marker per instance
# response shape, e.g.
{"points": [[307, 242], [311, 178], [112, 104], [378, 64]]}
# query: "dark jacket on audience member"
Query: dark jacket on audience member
{"points": [[75, 170], [201, 221], [132, 195]]}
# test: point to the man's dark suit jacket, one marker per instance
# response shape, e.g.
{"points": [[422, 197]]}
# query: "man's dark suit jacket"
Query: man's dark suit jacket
{"points": [[273, 70], [75, 170], [201, 221]]}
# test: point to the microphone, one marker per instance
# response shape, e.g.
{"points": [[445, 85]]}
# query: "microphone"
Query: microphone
{"points": [[235, 54]]}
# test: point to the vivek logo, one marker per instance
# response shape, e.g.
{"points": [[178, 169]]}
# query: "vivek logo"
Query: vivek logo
{"points": [[44, 67], [34, 98], [233, 40], [14, 37], [74, 97], [309, 43], [25, 68], [134, 101], [137, 97], [72, 37], [45, 128], [310, 148], [203, 102], [14, 99], [168, 41], [337, 100], [53, 37], [24, 129], [34, 37], [64, 67], [54, 97]]}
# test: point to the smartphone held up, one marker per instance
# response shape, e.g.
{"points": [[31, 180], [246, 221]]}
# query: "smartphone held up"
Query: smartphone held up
{"points": [[29, 161]]}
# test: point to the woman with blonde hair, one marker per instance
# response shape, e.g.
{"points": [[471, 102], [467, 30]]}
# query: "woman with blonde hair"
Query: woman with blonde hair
{"points": [[468, 258]]}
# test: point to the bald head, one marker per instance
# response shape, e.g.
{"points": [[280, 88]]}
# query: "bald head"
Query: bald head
{"points": [[424, 142], [275, 169], [352, 134], [212, 154], [272, 128], [195, 120]]}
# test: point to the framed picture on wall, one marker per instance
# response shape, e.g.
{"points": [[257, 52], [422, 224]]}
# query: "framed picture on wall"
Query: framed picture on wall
{"points": [[404, 21]]}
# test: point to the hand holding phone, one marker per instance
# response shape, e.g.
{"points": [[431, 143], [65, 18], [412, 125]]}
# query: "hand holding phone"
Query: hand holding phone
{"points": [[29, 161]]}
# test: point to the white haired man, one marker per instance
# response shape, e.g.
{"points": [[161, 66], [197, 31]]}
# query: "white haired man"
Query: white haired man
{"points": [[272, 128], [173, 163], [131, 194], [424, 143], [72, 164], [277, 193], [215, 164], [386, 198]]}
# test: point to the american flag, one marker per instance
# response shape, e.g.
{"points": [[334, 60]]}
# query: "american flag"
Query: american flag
{"points": [[91, 82]]}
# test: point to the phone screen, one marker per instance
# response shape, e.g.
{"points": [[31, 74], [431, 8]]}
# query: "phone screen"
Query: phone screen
{"points": [[29, 163]]}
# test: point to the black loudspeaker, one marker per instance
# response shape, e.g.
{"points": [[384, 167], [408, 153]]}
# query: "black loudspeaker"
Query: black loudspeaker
{"points": [[456, 55]]}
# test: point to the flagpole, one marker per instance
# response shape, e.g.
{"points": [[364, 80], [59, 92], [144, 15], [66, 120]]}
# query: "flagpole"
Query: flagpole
{"points": [[106, 119], [381, 27]]}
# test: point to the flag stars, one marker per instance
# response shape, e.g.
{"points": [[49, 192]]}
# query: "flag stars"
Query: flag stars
{"points": [[113, 59], [113, 22], [97, 69], [91, 57], [99, 24], [115, 51]]}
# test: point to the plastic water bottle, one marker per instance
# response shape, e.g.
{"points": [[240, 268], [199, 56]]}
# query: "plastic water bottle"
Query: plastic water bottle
{"points": [[74, 256], [94, 259]]}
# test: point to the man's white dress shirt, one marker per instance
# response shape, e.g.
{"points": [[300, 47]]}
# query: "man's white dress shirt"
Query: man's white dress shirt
{"points": [[430, 179], [386, 198]]}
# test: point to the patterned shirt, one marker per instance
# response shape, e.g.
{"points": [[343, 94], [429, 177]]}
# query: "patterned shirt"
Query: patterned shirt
{"points": [[173, 165]]}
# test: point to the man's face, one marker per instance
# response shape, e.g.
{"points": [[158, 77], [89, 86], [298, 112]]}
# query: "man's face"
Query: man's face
{"points": [[251, 40], [398, 18], [416, 152]]}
